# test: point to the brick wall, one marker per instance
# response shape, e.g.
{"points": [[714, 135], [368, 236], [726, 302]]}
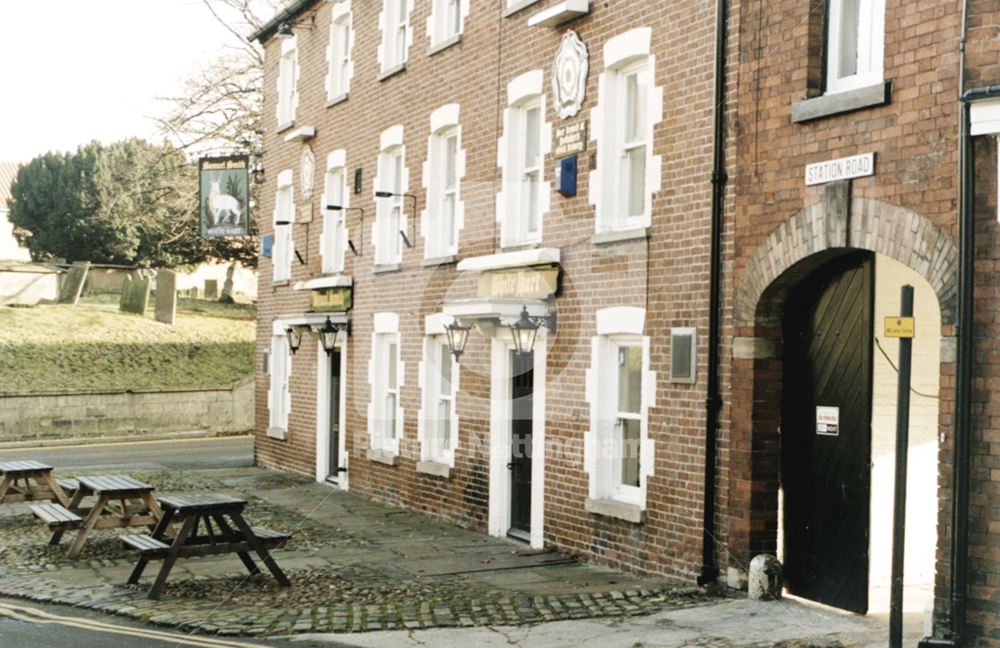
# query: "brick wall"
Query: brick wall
{"points": [[666, 274]]}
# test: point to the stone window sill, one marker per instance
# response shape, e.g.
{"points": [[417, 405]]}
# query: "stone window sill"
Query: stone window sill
{"points": [[283, 127], [339, 99], [517, 7], [277, 433], [393, 71], [434, 468], [617, 236], [383, 457], [839, 103], [439, 261], [280, 283], [614, 509], [384, 268], [445, 44]]}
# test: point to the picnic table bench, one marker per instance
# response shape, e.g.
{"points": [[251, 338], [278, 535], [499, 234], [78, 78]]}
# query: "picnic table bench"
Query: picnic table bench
{"points": [[29, 481], [121, 502], [212, 524]]}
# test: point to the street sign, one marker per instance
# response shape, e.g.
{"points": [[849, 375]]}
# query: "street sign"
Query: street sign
{"points": [[900, 327]]}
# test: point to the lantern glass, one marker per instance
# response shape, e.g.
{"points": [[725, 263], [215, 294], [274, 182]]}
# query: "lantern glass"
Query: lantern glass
{"points": [[524, 332], [328, 336], [294, 338], [458, 336]]}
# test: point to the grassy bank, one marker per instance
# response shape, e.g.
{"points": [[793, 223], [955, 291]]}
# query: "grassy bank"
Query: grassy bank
{"points": [[94, 346]]}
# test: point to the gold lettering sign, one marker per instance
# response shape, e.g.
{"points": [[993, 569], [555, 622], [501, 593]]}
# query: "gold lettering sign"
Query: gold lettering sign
{"points": [[521, 283], [900, 327], [330, 300], [304, 213], [570, 139]]}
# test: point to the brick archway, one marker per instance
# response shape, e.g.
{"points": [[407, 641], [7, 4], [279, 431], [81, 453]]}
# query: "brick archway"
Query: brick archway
{"points": [[842, 222], [800, 245]]}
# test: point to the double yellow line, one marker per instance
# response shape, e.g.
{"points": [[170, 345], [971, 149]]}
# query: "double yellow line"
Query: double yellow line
{"points": [[34, 615]]}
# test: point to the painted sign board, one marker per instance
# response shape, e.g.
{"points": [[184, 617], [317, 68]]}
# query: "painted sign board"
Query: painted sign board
{"points": [[304, 213], [570, 139], [856, 166], [330, 300], [900, 327], [827, 421], [224, 196], [521, 283]]}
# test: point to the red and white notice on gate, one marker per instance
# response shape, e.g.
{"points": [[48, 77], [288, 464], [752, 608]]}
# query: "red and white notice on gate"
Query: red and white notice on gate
{"points": [[828, 421]]}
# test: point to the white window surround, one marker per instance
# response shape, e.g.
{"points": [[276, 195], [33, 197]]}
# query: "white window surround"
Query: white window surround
{"points": [[340, 64], [396, 35], [622, 54], [523, 93], [384, 334], [284, 210], [288, 80], [385, 238], [279, 397], [616, 326], [441, 23], [433, 217], [855, 44], [334, 242], [428, 431]]}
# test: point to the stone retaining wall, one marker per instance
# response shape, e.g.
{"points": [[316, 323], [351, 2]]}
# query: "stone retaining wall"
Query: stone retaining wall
{"points": [[116, 413]]}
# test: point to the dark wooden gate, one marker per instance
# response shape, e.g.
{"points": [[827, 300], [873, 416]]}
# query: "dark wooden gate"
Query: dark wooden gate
{"points": [[826, 475], [522, 390]]}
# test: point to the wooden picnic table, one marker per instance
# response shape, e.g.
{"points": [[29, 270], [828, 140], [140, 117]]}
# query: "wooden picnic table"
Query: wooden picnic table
{"points": [[121, 502], [29, 481], [212, 524]]}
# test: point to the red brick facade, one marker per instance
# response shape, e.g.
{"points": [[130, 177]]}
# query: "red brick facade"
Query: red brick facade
{"points": [[906, 210]]}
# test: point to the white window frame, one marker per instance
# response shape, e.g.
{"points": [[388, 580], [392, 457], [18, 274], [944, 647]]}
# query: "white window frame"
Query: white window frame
{"points": [[390, 213], [624, 55], [617, 327], [384, 335], [334, 242], [434, 223], [523, 95], [279, 398], [446, 21], [288, 80], [338, 52], [395, 28], [436, 446], [870, 49], [283, 248]]}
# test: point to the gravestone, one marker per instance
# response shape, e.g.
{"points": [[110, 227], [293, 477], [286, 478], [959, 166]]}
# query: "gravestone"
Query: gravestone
{"points": [[166, 296], [135, 295], [211, 289], [766, 579], [72, 284]]}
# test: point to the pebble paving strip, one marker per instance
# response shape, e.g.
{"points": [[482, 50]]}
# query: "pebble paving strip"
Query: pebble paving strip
{"points": [[348, 598]]}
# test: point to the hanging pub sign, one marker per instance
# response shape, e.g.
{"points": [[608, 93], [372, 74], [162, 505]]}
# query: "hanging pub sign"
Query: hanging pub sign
{"points": [[331, 300], [224, 196]]}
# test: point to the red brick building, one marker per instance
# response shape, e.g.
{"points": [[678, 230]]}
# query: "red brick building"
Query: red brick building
{"points": [[709, 209]]}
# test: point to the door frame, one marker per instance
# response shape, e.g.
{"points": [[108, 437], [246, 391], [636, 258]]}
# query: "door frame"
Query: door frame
{"points": [[324, 366], [500, 437]]}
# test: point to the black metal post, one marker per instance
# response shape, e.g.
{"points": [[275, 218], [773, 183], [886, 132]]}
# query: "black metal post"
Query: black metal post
{"points": [[902, 450]]}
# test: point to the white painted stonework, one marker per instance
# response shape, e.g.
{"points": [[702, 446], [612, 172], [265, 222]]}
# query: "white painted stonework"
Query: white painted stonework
{"points": [[307, 171], [385, 324], [569, 75]]}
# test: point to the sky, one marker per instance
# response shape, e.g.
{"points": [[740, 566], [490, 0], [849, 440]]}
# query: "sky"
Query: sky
{"points": [[76, 70]]}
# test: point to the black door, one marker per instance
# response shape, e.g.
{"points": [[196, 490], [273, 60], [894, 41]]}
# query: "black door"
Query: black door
{"points": [[826, 452], [334, 414], [522, 388]]}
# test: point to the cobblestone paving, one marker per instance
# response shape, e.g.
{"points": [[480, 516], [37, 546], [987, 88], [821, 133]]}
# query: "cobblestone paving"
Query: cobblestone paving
{"points": [[354, 566]]}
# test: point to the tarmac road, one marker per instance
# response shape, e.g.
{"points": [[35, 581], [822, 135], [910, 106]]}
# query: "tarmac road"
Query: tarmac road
{"points": [[181, 454]]}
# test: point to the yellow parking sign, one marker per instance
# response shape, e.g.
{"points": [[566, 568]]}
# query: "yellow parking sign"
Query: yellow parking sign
{"points": [[900, 327]]}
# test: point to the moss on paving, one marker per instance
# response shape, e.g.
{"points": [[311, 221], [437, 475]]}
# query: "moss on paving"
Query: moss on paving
{"points": [[94, 346]]}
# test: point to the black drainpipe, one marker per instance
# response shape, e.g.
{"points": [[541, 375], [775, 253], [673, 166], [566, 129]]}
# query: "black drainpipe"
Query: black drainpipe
{"points": [[958, 582], [713, 402]]}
